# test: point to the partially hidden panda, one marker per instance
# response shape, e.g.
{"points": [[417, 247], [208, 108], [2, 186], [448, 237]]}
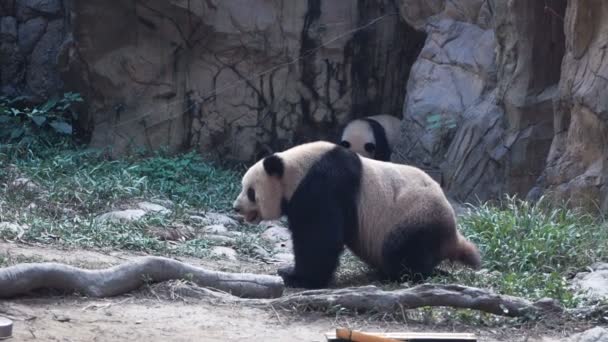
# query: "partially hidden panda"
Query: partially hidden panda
{"points": [[394, 217], [372, 137]]}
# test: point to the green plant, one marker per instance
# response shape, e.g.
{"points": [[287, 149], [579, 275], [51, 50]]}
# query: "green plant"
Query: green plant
{"points": [[440, 121], [23, 124], [530, 249]]}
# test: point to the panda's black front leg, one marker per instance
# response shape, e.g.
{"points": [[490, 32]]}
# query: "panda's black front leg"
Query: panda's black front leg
{"points": [[317, 247]]}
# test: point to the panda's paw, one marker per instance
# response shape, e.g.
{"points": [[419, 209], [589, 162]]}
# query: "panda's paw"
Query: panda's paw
{"points": [[286, 271], [292, 279], [289, 276]]}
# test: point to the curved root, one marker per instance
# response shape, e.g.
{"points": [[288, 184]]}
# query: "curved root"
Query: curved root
{"points": [[113, 281]]}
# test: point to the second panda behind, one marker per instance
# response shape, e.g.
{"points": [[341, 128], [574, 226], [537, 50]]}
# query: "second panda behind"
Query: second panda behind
{"points": [[394, 217]]}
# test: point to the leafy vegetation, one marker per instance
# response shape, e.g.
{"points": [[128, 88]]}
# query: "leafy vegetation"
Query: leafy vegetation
{"points": [[23, 125], [440, 121], [531, 250]]}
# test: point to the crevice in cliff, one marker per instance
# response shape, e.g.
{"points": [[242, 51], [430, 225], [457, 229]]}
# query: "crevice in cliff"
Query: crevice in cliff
{"points": [[382, 56], [548, 43]]}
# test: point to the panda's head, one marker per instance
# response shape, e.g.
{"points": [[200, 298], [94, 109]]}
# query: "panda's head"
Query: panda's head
{"points": [[358, 136], [262, 191]]}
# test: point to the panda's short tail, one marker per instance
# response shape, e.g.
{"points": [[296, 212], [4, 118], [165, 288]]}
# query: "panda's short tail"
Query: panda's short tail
{"points": [[466, 253]]}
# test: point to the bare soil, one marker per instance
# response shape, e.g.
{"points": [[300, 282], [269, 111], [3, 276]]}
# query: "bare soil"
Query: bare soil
{"points": [[156, 314]]}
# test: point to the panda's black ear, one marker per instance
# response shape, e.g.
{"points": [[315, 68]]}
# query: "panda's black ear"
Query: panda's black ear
{"points": [[274, 166]]}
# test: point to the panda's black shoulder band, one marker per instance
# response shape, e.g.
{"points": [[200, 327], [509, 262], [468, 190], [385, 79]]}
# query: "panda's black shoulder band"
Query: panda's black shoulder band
{"points": [[274, 166]]}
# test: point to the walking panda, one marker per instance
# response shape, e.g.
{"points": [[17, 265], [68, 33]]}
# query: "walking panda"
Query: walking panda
{"points": [[372, 136], [394, 217]]}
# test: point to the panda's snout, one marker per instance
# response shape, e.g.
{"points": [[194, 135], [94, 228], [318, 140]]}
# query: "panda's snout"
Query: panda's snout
{"points": [[236, 207]]}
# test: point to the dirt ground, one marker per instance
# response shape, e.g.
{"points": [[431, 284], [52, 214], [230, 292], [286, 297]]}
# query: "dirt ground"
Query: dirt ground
{"points": [[147, 316]]}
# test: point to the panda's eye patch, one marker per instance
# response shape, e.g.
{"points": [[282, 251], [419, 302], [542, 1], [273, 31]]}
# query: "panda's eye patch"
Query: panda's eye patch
{"points": [[345, 143], [369, 147], [251, 194]]}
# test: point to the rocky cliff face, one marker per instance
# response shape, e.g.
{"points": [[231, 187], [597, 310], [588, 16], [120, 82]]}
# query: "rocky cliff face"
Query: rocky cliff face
{"points": [[496, 95], [577, 166], [507, 78], [32, 33], [237, 78]]}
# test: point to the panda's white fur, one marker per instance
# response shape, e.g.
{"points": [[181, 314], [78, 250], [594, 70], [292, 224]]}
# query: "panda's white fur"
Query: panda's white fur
{"points": [[389, 199], [269, 191], [359, 132]]}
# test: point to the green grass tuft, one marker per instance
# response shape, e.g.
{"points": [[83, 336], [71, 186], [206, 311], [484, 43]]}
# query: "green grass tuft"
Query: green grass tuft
{"points": [[531, 250], [74, 186], [88, 181]]}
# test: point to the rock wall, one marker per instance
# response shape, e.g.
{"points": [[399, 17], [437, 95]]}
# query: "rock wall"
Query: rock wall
{"points": [[236, 78], [577, 166], [519, 89], [32, 34]]}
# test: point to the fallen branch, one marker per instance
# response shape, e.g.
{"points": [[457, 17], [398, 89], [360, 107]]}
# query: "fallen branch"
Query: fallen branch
{"points": [[368, 298], [113, 281]]}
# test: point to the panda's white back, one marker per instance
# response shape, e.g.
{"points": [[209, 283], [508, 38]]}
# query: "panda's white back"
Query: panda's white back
{"points": [[394, 194]]}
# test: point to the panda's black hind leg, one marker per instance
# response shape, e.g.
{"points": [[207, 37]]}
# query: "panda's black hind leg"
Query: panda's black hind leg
{"points": [[411, 253]]}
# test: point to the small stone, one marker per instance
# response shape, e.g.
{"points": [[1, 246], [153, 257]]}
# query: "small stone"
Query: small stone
{"points": [[177, 233], [592, 284], [209, 219], [215, 229], [224, 252], [234, 234], [164, 202], [26, 184], [196, 218], [600, 266], [16, 229], [122, 215], [220, 239], [153, 207], [222, 219], [62, 319], [597, 334], [276, 234]]}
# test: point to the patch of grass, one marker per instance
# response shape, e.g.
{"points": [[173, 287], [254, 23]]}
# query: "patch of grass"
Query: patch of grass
{"points": [[73, 186], [531, 250], [88, 181]]}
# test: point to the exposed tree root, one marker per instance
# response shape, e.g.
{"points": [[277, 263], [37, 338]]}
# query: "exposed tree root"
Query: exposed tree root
{"points": [[261, 289], [368, 298], [23, 278]]}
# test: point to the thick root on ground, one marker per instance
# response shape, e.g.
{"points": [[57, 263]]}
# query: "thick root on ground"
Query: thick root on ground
{"points": [[260, 289], [113, 281], [368, 298]]}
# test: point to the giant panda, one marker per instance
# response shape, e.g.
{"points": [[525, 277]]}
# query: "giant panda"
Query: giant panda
{"points": [[372, 136], [394, 217]]}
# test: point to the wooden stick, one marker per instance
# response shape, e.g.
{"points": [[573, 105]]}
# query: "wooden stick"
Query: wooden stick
{"points": [[355, 336]]}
